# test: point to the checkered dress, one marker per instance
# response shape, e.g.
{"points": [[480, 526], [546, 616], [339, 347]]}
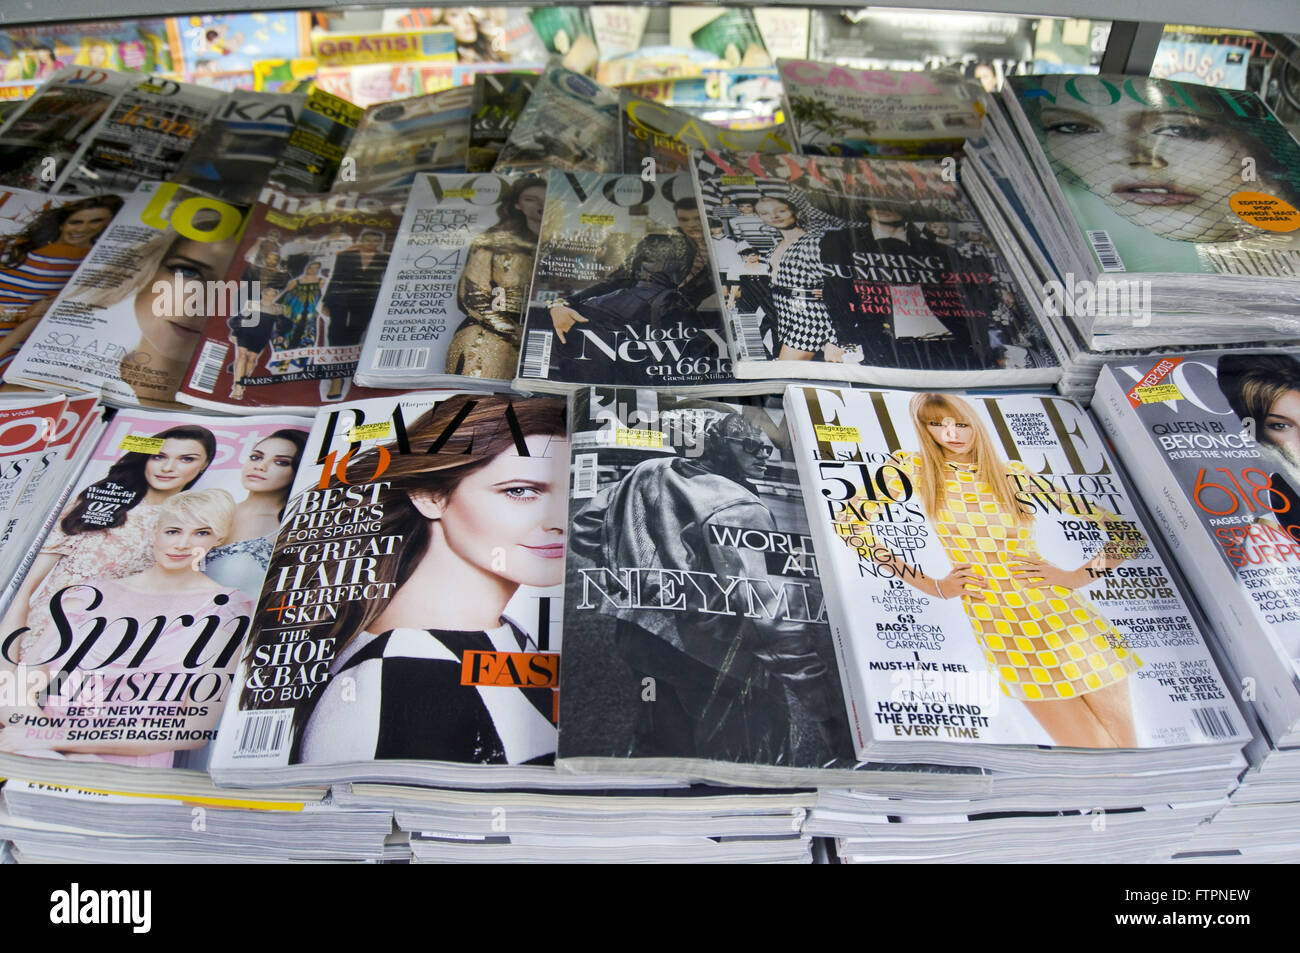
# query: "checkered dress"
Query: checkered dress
{"points": [[1044, 642]]}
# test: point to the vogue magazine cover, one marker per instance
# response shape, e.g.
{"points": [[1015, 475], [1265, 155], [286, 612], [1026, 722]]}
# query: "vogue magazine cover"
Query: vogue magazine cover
{"points": [[452, 305], [1207, 180], [622, 291], [1212, 437], [133, 615], [992, 581]]}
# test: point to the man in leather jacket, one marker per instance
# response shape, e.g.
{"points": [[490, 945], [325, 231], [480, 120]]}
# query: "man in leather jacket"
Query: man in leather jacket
{"points": [[721, 662]]}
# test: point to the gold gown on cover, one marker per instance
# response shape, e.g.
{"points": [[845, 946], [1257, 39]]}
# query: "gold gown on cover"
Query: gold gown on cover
{"points": [[492, 294], [1044, 642]]}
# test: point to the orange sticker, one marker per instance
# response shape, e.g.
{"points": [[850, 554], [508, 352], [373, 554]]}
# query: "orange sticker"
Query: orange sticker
{"points": [[1266, 211]]}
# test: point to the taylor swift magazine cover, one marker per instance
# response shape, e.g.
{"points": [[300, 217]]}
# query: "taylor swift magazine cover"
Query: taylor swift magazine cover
{"points": [[694, 621], [622, 291], [1211, 437], [308, 269], [127, 628], [991, 582], [863, 270], [452, 305], [126, 324], [411, 611]]}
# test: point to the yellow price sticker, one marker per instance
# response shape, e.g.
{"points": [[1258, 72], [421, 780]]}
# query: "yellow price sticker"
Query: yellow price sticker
{"points": [[737, 180], [1158, 393], [460, 193], [132, 443], [829, 434], [589, 219], [375, 431], [653, 439]]}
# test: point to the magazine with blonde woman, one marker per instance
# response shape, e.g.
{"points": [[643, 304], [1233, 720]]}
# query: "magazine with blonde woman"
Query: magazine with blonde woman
{"points": [[993, 580]]}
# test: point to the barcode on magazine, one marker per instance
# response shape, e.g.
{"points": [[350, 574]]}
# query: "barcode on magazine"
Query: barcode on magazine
{"points": [[1105, 250], [585, 470], [749, 336], [401, 358], [209, 364], [264, 733], [1214, 722], [537, 355]]}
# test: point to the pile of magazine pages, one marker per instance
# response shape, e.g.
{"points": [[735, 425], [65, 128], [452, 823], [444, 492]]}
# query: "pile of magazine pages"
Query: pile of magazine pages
{"points": [[541, 470]]}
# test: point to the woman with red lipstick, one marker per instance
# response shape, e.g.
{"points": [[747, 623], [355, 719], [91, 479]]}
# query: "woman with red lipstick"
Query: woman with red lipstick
{"points": [[108, 529], [1048, 645], [267, 475], [481, 516]]}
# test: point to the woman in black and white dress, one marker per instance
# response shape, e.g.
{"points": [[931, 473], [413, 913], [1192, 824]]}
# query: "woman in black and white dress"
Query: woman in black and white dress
{"points": [[483, 515], [803, 324]]}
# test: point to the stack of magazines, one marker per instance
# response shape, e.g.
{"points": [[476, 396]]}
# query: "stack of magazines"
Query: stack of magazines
{"points": [[510, 473], [1210, 436], [1159, 207]]}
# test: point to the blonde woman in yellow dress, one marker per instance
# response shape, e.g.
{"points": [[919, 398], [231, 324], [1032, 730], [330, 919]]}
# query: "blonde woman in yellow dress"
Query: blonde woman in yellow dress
{"points": [[1047, 644]]}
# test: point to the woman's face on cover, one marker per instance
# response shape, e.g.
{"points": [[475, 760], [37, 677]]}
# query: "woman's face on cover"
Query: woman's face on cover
{"points": [[956, 437], [82, 228], [1282, 426], [775, 213], [175, 465], [531, 202], [269, 467], [163, 321], [463, 25], [511, 517], [1167, 170], [177, 538]]}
